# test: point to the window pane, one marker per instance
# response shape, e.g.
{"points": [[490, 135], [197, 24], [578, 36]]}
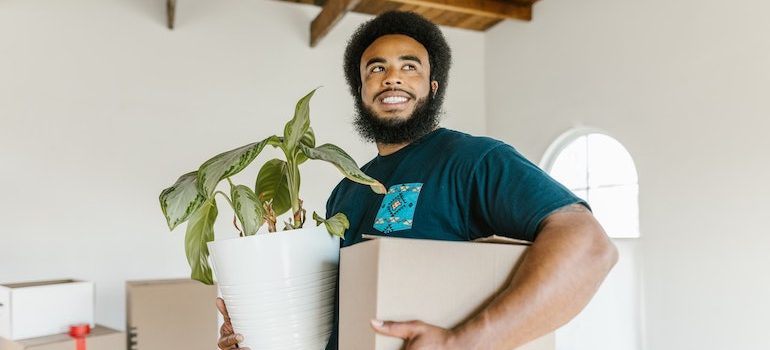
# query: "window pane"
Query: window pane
{"points": [[617, 209], [570, 166], [608, 162]]}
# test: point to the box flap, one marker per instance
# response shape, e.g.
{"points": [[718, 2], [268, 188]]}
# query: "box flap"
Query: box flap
{"points": [[501, 240], [38, 283], [489, 239], [139, 283]]}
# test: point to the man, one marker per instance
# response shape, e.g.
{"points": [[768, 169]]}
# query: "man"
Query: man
{"points": [[448, 185]]}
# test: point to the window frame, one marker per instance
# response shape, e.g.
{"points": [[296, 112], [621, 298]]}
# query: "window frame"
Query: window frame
{"points": [[564, 140]]}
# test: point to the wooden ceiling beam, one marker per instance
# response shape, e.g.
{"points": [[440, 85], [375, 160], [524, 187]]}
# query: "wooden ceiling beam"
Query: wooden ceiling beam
{"points": [[331, 13], [518, 9], [170, 13]]}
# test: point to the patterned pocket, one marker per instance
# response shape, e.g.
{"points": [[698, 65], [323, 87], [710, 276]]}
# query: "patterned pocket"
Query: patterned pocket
{"points": [[397, 209]]}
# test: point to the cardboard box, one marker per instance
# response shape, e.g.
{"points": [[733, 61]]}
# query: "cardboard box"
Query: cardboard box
{"points": [[101, 338], [37, 309], [171, 314], [439, 282]]}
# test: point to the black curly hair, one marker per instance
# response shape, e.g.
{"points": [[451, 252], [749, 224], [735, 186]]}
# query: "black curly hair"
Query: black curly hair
{"points": [[406, 23]]}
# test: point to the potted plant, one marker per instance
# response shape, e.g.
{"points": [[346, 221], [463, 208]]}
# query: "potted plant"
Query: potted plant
{"points": [[279, 287]]}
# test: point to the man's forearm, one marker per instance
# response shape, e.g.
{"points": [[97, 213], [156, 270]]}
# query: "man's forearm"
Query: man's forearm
{"points": [[556, 279]]}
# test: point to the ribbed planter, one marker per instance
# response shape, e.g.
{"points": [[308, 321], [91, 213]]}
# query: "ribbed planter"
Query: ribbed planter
{"points": [[279, 287]]}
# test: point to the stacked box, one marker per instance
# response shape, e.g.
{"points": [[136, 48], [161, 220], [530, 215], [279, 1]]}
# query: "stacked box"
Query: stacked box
{"points": [[100, 338], [171, 314], [38, 309]]}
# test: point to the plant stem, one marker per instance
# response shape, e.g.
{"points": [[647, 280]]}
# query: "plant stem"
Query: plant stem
{"points": [[292, 178], [226, 197], [231, 206], [235, 223]]}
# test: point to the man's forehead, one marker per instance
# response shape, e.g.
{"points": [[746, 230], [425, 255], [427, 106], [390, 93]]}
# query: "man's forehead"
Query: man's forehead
{"points": [[394, 45]]}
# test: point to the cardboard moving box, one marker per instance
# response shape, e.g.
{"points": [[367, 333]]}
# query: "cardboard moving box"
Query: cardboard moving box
{"points": [[100, 338], [438, 282], [37, 309], [171, 314]]}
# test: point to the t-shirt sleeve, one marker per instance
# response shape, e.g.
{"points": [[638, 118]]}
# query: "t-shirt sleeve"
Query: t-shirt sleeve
{"points": [[510, 196]]}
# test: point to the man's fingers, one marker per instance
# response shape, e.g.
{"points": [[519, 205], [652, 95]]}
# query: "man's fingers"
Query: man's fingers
{"points": [[222, 308], [226, 329], [230, 341], [403, 330]]}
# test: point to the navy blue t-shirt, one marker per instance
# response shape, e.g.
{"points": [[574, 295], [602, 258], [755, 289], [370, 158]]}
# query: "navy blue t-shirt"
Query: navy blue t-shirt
{"points": [[449, 186]]}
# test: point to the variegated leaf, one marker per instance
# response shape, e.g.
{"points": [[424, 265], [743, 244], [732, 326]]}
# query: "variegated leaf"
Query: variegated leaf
{"points": [[344, 163], [248, 208], [308, 140], [180, 200], [272, 184], [336, 225], [200, 230], [295, 129], [228, 164]]}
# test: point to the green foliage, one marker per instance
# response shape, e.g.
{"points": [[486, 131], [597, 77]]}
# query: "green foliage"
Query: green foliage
{"points": [[273, 185], [276, 189], [200, 230], [180, 200], [248, 209], [336, 225]]}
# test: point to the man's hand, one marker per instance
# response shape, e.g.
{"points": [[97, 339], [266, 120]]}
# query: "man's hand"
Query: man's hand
{"points": [[418, 335], [228, 339]]}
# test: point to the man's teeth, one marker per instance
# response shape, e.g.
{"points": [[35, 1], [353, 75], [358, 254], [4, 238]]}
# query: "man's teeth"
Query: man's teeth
{"points": [[394, 99]]}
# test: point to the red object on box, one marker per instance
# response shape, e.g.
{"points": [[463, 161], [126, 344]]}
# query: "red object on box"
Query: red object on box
{"points": [[80, 332]]}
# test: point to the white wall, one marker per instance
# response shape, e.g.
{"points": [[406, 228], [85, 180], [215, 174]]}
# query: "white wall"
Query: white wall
{"points": [[684, 85], [101, 107]]}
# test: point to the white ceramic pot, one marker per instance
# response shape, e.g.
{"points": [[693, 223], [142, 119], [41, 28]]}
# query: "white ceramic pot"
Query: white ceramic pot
{"points": [[279, 287]]}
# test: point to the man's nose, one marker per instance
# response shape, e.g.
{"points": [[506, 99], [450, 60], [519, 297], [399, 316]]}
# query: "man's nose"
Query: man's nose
{"points": [[393, 78]]}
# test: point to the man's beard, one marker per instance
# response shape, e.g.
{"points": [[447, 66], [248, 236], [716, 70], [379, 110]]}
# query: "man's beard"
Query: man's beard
{"points": [[424, 119]]}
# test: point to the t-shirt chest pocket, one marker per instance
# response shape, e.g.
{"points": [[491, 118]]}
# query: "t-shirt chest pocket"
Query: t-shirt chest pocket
{"points": [[396, 212]]}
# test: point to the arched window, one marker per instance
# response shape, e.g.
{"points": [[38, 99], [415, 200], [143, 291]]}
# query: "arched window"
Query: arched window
{"points": [[597, 168]]}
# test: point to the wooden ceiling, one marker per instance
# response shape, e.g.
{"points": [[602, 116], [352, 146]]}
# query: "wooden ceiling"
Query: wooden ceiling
{"points": [[478, 15]]}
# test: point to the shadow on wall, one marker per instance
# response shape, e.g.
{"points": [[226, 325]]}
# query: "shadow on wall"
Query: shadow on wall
{"points": [[153, 11]]}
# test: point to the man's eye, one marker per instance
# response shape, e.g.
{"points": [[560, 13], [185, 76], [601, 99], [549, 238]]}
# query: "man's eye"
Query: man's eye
{"points": [[377, 69], [409, 67]]}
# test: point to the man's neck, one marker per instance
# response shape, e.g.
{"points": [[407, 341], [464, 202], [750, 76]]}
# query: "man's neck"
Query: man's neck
{"points": [[387, 149]]}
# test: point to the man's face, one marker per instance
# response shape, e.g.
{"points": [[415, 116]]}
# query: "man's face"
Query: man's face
{"points": [[395, 77]]}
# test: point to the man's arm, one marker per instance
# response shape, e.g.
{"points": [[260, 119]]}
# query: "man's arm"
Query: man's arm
{"points": [[562, 270]]}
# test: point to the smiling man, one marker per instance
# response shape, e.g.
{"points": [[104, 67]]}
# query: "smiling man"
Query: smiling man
{"points": [[398, 99], [447, 185]]}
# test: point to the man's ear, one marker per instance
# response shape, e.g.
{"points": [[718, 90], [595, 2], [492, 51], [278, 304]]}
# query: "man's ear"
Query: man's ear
{"points": [[434, 87]]}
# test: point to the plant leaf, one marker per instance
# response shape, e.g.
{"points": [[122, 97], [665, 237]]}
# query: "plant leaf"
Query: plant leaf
{"points": [[308, 140], [344, 163], [273, 184], [180, 200], [248, 208], [296, 127], [200, 230], [336, 225], [228, 164]]}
